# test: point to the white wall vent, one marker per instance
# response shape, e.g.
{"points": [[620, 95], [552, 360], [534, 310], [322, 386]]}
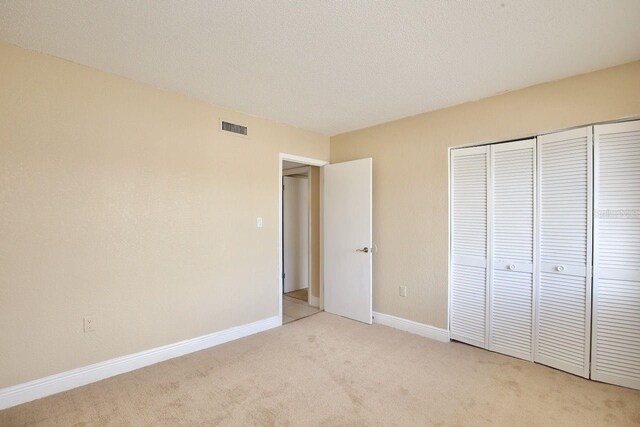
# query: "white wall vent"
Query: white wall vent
{"points": [[233, 128]]}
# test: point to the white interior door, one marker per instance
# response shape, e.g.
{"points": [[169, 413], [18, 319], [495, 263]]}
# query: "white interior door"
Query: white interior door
{"points": [[469, 228], [511, 214], [347, 206], [616, 273], [295, 217], [563, 284]]}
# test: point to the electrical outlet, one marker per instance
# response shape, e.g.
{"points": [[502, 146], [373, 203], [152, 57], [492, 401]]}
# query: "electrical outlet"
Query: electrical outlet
{"points": [[403, 291], [89, 324]]}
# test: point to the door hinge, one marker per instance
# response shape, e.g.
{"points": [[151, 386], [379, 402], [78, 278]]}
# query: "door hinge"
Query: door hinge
{"points": [[283, 276]]}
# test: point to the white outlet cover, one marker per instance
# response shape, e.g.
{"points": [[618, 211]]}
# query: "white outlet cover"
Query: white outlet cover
{"points": [[259, 222]]}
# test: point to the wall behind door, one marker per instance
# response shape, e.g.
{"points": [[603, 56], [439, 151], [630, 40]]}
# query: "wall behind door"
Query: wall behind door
{"points": [[410, 178], [295, 215]]}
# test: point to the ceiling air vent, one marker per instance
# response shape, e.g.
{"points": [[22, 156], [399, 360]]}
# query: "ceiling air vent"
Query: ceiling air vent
{"points": [[233, 128]]}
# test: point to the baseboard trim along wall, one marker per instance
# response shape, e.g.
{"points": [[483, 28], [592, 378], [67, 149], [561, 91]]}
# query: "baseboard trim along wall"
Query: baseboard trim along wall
{"points": [[32, 390], [410, 326]]}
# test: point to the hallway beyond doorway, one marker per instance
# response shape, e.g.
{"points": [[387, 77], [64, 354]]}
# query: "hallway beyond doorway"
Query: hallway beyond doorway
{"points": [[295, 308]]}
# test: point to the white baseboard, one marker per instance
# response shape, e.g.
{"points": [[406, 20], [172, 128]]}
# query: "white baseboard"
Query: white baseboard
{"points": [[32, 390], [314, 301], [421, 329]]}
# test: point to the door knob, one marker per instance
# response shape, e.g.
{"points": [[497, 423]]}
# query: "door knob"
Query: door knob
{"points": [[365, 250]]}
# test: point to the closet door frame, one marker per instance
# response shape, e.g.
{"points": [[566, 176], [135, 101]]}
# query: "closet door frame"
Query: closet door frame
{"points": [[589, 253], [591, 272]]}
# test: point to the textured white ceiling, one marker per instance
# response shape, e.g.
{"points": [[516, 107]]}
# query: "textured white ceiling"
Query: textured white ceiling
{"points": [[332, 66]]}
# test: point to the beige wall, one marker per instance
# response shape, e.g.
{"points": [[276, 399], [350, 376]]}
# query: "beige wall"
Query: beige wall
{"points": [[124, 202], [410, 174]]}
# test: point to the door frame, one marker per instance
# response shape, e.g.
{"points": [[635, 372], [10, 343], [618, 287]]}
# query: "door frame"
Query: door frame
{"points": [[308, 161]]}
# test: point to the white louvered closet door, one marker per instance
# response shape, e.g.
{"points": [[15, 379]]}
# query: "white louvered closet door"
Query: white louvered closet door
{"points": [[512, 201], [469, 174], [563, 279], [616, 276]]}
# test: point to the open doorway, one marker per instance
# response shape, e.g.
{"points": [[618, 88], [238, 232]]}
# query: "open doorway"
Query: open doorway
{"points": [[300, 240], [340, 268]]}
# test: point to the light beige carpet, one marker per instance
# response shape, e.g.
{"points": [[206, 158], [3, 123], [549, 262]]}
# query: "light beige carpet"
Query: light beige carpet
{"points": [[328, 371]]}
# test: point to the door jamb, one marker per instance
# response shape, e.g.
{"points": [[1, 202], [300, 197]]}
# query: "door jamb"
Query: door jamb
{"points": [[309, 162]]}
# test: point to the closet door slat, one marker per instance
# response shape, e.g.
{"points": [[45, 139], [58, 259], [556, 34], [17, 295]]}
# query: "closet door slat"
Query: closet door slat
{"points": [[512, 217], [563, 285], [469, 176], [616, 273]]}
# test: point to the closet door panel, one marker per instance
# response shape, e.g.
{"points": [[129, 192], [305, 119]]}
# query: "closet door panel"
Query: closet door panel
{"points": [[512, 238], [616, 304], [562, 291], [469, 172]]}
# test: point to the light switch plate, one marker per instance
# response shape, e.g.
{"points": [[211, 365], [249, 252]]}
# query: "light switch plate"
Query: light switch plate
{"points": [[259, 222]]}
